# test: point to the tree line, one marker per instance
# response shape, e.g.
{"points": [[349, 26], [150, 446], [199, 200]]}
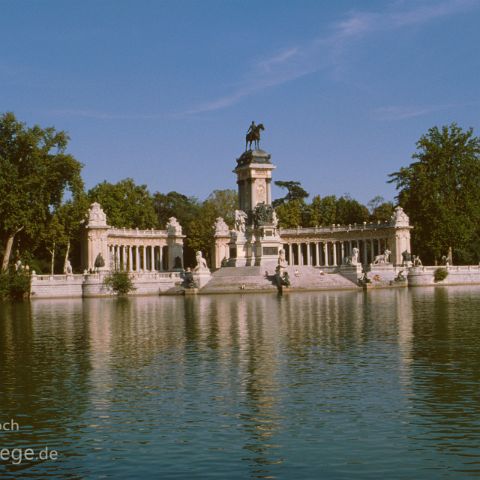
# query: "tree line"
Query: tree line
{"points": [[43, 200]]}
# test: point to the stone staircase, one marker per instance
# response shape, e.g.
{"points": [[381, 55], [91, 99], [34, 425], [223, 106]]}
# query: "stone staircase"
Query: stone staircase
{"points": [[249, 279]]}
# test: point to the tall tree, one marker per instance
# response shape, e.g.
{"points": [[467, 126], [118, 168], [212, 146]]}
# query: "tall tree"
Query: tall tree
{"points": [[290, 214], [350, 211], [380, 210], [322, 211], [295, 191], [439, 191], [224, 203], [35, 172], [126, 204], [174, 204], [199, 231]]}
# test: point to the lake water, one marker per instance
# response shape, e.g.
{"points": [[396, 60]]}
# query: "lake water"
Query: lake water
{"points": [[306, 386]]}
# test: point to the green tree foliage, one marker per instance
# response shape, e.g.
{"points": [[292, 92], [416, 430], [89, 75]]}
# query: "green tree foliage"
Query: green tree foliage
{"points": [[439, 191], [224, 203], [322, 211], [380, 210], [294, 192], [349, 211], [290, 214], [14, 285], [126, 204], [293, 211], [199, 231], [119, 282], [174, 204], [35, 173]]}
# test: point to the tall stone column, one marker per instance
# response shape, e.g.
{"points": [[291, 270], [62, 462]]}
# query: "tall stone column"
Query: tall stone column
{"points": [[342, 252], [309, 261], [137, 250], [325, 253], [334, 246], [317, 248], [152, 258]]}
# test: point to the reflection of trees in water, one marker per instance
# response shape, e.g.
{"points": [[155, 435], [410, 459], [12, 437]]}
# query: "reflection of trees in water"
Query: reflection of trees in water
{"points": [[44, 358], [446, 372]]}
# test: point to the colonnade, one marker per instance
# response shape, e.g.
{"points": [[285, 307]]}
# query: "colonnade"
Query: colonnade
{"points": [[137, 258], [333, 253]]}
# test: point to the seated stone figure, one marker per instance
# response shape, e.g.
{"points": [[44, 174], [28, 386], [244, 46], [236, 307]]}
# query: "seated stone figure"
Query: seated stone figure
{"points": [[353, 259], [382, 258], [201, 263]]}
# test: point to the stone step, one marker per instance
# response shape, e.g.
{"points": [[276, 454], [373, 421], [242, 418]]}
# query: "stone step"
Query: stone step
{"points": [[255, 278]]}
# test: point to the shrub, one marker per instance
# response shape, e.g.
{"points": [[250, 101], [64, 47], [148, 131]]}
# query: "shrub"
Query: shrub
{"points": [[440, 274], [14, 285], [119, 282]]}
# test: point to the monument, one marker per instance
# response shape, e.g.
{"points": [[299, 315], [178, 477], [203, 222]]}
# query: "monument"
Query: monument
{"points": [[255, 240]]}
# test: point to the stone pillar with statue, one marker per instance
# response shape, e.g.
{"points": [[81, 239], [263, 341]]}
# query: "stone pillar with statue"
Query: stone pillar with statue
{"points": [[95, 255], [255, 240]]}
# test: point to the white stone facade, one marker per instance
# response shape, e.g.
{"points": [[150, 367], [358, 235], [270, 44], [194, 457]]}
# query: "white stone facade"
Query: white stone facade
{"points": [[131, 250]]}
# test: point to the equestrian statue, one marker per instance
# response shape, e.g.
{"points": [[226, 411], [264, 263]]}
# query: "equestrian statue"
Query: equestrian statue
{"points": [[253, 136]]}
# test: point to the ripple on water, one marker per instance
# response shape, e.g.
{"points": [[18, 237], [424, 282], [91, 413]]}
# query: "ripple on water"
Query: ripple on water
{"points": [[314, 385]]}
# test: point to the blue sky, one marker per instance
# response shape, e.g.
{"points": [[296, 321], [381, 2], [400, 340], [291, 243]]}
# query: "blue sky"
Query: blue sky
{"points": [[163, 92]]}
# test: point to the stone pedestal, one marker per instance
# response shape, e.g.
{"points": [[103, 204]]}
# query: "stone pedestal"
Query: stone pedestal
{"points": [[240, 250], [201, 277], [381, 274], [351, 272], [267, 246]]}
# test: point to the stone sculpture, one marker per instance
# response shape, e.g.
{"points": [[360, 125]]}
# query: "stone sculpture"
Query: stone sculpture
{"points": [[416, 261], [201, 263], [274, 218], [240, 221], [221, 228], [353, 259], [253, 135], [68, 268], [173, 227], [263, 215], [96, 216], [381, 259], [399, 218], [406, 258], [99, 262]]}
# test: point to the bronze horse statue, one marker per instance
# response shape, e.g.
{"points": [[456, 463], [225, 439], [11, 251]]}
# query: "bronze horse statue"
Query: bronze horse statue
{"points": [[253, 136]]}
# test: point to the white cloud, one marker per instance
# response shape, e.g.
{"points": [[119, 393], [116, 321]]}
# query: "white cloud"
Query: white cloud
{"points": [[98, 115], [324, 52], [402, 112]]}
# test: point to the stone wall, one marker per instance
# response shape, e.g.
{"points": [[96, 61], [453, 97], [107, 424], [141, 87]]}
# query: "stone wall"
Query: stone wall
{"points": [[92, 285], [457, 275]]}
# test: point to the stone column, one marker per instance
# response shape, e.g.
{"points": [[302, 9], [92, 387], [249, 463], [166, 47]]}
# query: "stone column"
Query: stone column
{"points": [[152, 258], [290, 254], [309, 262], [137, 250], [334, 245], [317, 251], [160, 257], [342, 252], [325, 253]]}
